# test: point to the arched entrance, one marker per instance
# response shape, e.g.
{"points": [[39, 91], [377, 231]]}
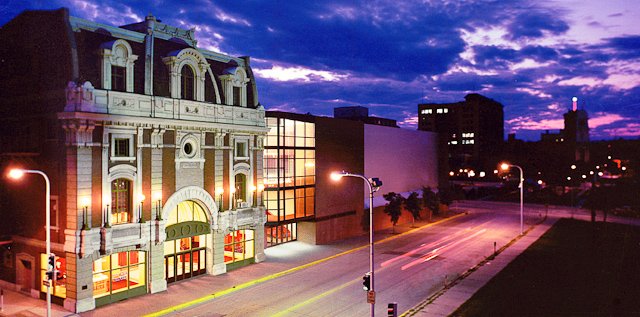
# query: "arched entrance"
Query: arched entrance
{"points": [[185, 248]]}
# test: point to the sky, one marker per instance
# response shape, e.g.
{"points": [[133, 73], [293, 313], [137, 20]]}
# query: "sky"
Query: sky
{"points": [[391, 55]]}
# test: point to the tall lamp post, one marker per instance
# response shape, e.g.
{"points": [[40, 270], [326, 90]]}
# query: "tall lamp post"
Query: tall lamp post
{"points": [[374, 184], [505, 167], [17, 174]]}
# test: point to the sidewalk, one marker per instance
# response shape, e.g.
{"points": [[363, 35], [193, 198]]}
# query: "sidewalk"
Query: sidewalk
{"points": [[18, 304]]}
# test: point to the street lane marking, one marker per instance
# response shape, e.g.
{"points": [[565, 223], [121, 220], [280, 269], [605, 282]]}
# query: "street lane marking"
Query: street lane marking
{"points": [[232, 289]]}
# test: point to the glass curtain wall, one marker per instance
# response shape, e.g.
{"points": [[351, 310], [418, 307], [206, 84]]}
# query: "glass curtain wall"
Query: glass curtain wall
{"points": [[289, 177]]}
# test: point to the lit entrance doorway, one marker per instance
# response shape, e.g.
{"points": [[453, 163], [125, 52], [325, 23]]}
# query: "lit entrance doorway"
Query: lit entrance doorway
{"points": [[185, 249]]}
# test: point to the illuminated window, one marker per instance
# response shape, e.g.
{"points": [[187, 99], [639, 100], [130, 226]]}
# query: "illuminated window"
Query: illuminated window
{"points": [[121, 201], [289, 176], [119, 272], [468, 135], [427, 111], [241, 188], [59, 283], [239, 246]]}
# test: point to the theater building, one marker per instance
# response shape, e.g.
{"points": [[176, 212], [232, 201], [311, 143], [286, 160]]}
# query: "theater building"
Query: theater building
{"points": [[154, 149]]}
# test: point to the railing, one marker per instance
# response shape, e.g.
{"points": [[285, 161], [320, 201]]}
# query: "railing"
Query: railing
{"points": [[85, 98]]}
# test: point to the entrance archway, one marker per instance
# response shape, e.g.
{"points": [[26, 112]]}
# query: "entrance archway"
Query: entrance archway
{"points": [[188, 235]]}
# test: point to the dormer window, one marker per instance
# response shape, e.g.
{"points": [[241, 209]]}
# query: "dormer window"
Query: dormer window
{"points": [[189, 71], [187, 83], [117, 66], [237, 96], [235, 82], [118, 78]]}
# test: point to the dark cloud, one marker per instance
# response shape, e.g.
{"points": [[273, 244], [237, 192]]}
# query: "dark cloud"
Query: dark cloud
{"points": [[534, 23]]}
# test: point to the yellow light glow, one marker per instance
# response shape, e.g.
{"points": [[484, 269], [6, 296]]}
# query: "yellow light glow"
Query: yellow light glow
{"points": [[335, 176], [573, 167], [261, 187], [504, 166], [85, 201], [233, 190], [157, 195], [253, 188], [451, 173], [141, 197], [219, 191], [16, 173], [539, 182]]}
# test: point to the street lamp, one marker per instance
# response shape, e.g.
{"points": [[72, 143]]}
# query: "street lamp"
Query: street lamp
{"points": [[17, 173], [219, 192], [374, 184], [157, 196], [261, 190], [505, 167], [141, 198], [254, 195]]}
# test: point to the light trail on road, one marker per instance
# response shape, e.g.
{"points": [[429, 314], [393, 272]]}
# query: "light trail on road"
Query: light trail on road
{"points": [[441, 250], [432, 244]]}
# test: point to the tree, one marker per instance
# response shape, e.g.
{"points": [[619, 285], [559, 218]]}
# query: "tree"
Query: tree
{"points": [[430, 200], [393, 208], [413, 205]]}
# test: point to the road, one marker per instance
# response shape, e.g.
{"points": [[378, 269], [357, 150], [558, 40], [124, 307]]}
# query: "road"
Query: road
{"points": [[408, 269]]}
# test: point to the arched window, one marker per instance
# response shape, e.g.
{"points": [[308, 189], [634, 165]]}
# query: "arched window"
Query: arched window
{"points": [[187, 82], [117, 66], [121, 201], [241, 188]]}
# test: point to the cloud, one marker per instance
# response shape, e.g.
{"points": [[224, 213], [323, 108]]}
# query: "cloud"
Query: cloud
{"points": [[536, 23], [298, 73], [602, 119]]}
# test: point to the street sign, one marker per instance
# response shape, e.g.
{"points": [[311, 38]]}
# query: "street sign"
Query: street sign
{"points": [[46, 283], [371, 297]]}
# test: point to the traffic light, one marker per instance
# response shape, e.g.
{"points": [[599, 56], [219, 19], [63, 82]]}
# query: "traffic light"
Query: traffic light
{"points": [[375, 183], [366, 281], [392, 310], [51, 266]]}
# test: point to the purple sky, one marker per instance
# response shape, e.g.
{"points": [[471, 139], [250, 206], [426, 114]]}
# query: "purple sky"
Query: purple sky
{"points": [[312, 56]]}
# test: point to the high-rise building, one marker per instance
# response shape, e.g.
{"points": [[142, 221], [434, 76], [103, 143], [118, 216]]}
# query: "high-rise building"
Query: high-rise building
{"points": [[154, 151], [471, 131], [576, 132]]}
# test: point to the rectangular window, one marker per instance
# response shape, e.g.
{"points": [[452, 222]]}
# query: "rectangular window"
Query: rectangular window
{"points": [[120, 201], [241, 149], [238, 246], [118, 78], [122, 147], [237, 100], [118, 272]]}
